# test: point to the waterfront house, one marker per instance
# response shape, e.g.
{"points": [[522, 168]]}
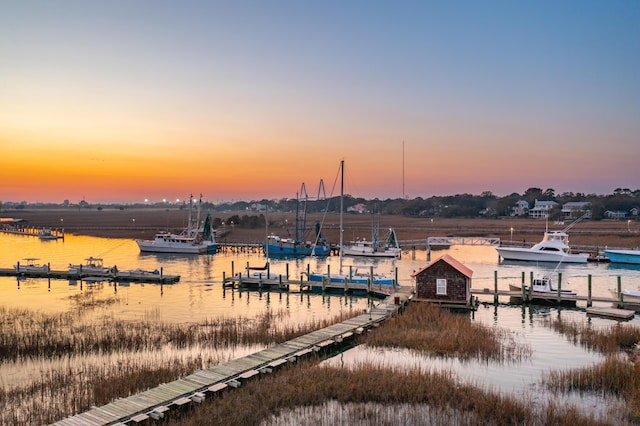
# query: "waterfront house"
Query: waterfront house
{"points": [[576, 209], [445, 280], [541, 209], [520, 209]]}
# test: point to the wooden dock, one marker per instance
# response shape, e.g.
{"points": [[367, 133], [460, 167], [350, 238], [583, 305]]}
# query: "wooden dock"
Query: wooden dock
{"points": [[153, 403], [122, 276]]}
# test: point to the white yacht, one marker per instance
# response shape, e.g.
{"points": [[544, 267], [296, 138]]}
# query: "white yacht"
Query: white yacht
{"points": [[554, 247]]}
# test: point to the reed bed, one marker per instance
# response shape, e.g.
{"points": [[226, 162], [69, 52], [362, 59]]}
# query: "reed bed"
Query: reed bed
{"points": [[425, 327], [607, 340], [24, 333], [55, 365], [617, 375], [306, 393]]}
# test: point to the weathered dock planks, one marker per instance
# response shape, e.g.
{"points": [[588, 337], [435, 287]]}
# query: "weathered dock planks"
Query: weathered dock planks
{"points": [[153, 403]]}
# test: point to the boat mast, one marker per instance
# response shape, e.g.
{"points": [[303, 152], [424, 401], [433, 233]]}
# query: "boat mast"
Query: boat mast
{"points": [[341, 209]]}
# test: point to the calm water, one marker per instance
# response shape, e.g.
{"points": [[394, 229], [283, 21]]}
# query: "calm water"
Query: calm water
{"points": [[199, 295]]}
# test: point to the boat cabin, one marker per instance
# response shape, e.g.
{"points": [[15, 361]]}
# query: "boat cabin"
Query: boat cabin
{"points": [[445, 281]]}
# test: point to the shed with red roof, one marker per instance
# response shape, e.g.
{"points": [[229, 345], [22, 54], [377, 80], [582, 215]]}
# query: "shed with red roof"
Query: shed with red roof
{"points": [[445, 280]]}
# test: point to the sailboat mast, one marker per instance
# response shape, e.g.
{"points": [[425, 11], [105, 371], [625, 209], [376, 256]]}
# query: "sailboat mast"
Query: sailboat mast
{"points": [[341, 209]]}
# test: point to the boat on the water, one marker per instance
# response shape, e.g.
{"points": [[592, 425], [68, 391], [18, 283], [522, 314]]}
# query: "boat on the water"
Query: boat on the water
{"points": [[91, 265], [298, 246], [378, 247], [629, 295], [47, 234], [554, 247], [541, 286], [195, 239], [623, 256], [30, 265]]}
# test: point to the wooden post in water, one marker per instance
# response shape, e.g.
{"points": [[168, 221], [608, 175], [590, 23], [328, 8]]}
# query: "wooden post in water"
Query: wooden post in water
{"points": [[371, 273], [522, 278], [395, 280], [268, 270], [233, 274], [287, 270], [589, 290], [224, 279], [523, 290], [620, 296], [350, 273], [559, 287], [495, 287], [308, 271]]}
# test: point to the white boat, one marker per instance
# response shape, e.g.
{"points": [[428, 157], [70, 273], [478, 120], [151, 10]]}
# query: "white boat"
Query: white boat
{"points": [[629, 295], [47, 234], [378, 247], [193, 240], [354, 277], [554, 247], [30, 265], [541, 286], [623, 256], [91, 265]]}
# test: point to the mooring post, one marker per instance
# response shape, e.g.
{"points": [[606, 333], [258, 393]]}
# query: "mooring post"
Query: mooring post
{"points": [[371, 274], [395, 280], [224, 279], [350, 273], [233, 274], [495, 287], [308, 271], [559, 287], [287, 270], [522, 278], [268, 270], [620, 296], [589, 290]]}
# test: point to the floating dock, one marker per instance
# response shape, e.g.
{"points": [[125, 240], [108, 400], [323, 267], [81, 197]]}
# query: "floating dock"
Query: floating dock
{"points": [[122, 276], [153, 403], [611, 313]]}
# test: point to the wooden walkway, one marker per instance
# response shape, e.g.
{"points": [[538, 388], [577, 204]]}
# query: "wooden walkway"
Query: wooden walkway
{"points": [[153, 403]]}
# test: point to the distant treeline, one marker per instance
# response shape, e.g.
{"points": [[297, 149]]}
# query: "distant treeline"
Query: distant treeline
{"points": [[461, 205]]}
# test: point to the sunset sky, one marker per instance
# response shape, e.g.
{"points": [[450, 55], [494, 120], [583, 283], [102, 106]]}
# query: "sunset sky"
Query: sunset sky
{"points": [[245, 100]]}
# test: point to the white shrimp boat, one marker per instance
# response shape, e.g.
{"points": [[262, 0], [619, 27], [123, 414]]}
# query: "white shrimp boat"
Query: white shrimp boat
{"points": [[91, 265], [541, 288]]}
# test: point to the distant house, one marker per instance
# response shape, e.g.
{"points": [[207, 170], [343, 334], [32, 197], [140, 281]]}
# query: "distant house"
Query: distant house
{"points": [[520, 209], [541, 209], [445, 280], [634, 212], [610, 214], [576, 209], [358, 208]]}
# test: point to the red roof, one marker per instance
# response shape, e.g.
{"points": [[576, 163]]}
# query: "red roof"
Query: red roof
{"points": [[451, 261]]}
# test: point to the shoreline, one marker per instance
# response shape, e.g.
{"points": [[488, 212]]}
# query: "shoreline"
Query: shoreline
{"points": [[145, 223]]}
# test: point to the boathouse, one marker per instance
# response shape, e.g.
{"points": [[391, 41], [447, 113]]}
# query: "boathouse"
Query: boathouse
{"points": [[445, 281]]}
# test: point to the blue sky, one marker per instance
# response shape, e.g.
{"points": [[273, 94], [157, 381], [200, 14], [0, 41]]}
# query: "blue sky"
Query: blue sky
{"points": [[245, 100]]}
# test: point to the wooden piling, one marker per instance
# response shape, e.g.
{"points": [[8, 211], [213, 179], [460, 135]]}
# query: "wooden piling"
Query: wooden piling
{"points": [[589, 291]]}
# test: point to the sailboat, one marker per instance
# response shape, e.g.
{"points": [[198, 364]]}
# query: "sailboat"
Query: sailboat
{"points": [[378, 247], [354, 276], [193, 240]]}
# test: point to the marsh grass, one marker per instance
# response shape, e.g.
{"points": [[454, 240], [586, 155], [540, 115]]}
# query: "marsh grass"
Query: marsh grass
{"points": [[55, 365], [425, 327], [616, 375], [373, 395]]}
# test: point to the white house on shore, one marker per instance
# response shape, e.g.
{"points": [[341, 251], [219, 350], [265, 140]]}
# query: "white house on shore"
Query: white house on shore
{"points": [[541, 209]]}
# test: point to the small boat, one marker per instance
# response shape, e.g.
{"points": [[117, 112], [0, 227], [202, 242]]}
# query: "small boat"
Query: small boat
{"points": [[354, 277], [629, 295], [30, 265], [47, 234], [542, 286], [377, 247], [91, 265], [554, 247], [623, 256]]}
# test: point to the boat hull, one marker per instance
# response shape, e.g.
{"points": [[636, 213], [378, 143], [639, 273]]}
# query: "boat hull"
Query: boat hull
{"points": [[631, 297], [369, 253], [527, 255], [623, 256], [277, 250], [152, 247]]}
